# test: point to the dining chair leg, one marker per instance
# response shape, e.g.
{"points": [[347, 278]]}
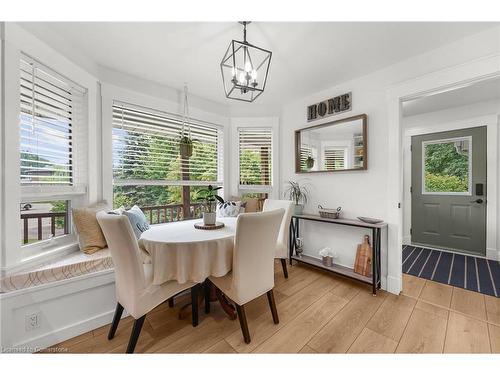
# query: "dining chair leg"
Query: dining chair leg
{"points": [[206, 290], [171, 302], [243, 323], [283, 265], [194, 304], [116, 320], [272, 306], [136, 331]]}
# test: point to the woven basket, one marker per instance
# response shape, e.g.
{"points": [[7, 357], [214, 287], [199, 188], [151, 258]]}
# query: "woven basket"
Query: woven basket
{"points": [[329, 213]]}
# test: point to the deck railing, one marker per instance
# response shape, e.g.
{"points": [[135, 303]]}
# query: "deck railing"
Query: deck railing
{"points": [[171, 212], [25, 217], [155, 214]]}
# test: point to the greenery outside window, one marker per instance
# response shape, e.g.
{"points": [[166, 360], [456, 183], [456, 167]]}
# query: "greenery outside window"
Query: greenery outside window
{"points": [[156, 169], [447, 166], [255, 158]]}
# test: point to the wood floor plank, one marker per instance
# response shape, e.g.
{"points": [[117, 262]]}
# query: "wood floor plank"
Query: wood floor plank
{"points": [[492, 309], [348, 289], [307, 350], [466, 335], [469, 303], [311, 321], [437, 293], [412, 286], [425, 333], [222, 347], [391, 318], [293, 284], [433, 309], [301, 329], [212, 329], [263, 327], [338, 335], [372, 342], [494, 332]]}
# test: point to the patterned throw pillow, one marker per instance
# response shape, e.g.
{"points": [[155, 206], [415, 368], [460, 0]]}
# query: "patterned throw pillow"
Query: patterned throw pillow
{"points": [[137, 220], [228, 209]]}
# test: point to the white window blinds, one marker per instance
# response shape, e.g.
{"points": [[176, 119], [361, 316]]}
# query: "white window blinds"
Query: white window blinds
{"points": [[255, 156], [147, 149], [50, 107], [334, 159]]}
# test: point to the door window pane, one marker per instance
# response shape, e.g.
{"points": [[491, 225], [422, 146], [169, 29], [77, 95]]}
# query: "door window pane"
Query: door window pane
{"points": [[447, 166]]}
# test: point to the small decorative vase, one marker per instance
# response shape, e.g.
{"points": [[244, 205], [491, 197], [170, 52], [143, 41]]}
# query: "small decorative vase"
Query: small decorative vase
{"points": [[327, 261], [299, 246], [209, 218], [298, 208]]}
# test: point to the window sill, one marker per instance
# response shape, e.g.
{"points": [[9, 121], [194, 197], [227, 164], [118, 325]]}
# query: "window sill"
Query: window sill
{"points": [[32, 259]]}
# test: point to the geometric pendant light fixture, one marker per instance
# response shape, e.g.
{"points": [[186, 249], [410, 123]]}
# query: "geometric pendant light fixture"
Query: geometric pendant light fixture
{"points": [[244, 69]]}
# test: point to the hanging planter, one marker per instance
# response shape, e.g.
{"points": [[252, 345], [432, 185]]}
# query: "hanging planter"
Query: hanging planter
{"points": [[185, 141], [186, 146], [309, 162]]}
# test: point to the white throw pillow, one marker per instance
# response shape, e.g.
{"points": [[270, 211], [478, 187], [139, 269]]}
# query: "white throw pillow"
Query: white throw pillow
{"points": [[228, 209]]}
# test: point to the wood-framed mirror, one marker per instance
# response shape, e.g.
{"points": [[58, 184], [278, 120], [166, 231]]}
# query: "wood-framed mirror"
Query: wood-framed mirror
{"points": [[335, 146]]}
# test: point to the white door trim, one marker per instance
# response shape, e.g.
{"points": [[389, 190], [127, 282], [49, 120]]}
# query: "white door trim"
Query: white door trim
{"points": [[440, 81]]}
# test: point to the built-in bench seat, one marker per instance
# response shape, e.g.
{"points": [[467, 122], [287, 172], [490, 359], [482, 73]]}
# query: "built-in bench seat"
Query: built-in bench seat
{"points": [[68, 266]]}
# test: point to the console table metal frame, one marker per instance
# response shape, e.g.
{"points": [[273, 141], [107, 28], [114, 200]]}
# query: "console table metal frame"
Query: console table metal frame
{"points": [[345, 271]]}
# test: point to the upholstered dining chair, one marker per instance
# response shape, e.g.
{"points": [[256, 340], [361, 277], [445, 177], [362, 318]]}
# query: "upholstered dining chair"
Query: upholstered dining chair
{"points": [[281, 251], [252, 274], [134, 289]]}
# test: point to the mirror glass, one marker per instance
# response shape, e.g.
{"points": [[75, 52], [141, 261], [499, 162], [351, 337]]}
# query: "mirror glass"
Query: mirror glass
{"points": [[335, 146]]}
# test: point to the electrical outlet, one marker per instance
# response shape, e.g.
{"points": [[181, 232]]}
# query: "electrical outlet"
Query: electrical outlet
{"points": [[32, 321]]}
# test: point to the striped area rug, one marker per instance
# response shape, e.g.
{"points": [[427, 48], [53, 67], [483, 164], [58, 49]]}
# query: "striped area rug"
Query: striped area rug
{"points": [[467, 272]]}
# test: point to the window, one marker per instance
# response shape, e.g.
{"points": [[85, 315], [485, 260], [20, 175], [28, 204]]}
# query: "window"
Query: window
{"points": [[43, 220], [153, 169], [51, 117], [447, 166], [255, 158], [334, 158]]}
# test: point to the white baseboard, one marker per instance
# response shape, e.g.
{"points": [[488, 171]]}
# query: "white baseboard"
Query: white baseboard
{"points": [[394, 284], [66, 309], [493, 254]]}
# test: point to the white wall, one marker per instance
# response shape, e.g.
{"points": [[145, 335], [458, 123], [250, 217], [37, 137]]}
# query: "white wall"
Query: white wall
{"points": [[366, 192], [485, 113]]}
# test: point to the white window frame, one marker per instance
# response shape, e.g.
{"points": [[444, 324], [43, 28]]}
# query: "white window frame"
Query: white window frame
{"points": [[245, 189], [448, 140], [72, 193], [16, 43], [111, 94]]}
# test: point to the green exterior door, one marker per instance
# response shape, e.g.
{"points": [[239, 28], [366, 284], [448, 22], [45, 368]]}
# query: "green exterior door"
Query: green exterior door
{"points": [[448, 190]]}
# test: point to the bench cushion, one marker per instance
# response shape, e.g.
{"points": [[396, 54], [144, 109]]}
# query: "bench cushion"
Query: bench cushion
{"points": [[66, 267]]}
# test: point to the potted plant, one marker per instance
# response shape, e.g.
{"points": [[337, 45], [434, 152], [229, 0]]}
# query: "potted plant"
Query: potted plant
{"points": [[186, 146], [298, 194], [309, 162], [210, 196]]}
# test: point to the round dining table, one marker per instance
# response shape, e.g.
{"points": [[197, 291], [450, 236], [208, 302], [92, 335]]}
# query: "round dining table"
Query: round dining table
{"points": [[181, 252]]}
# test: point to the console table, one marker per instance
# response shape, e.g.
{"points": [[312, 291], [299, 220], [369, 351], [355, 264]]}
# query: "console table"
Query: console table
{"points": [[345, 271]]}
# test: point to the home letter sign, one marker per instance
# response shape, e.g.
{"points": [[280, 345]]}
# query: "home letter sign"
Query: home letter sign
{"points": [[329, 107]]}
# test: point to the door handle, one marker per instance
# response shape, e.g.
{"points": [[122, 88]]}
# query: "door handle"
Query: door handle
{"points": [[479, 200]]}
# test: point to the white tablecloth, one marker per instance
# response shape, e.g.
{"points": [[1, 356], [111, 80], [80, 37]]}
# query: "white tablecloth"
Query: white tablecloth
{"points": [[181, 252]]}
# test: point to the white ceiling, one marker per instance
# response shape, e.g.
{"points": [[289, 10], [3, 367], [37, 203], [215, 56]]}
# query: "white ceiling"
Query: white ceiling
{"points": [[474, 93], [307, 57]]}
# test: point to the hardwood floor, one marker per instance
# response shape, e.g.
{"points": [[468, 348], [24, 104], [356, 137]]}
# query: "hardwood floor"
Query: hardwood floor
{"points": [[320, 313]]}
